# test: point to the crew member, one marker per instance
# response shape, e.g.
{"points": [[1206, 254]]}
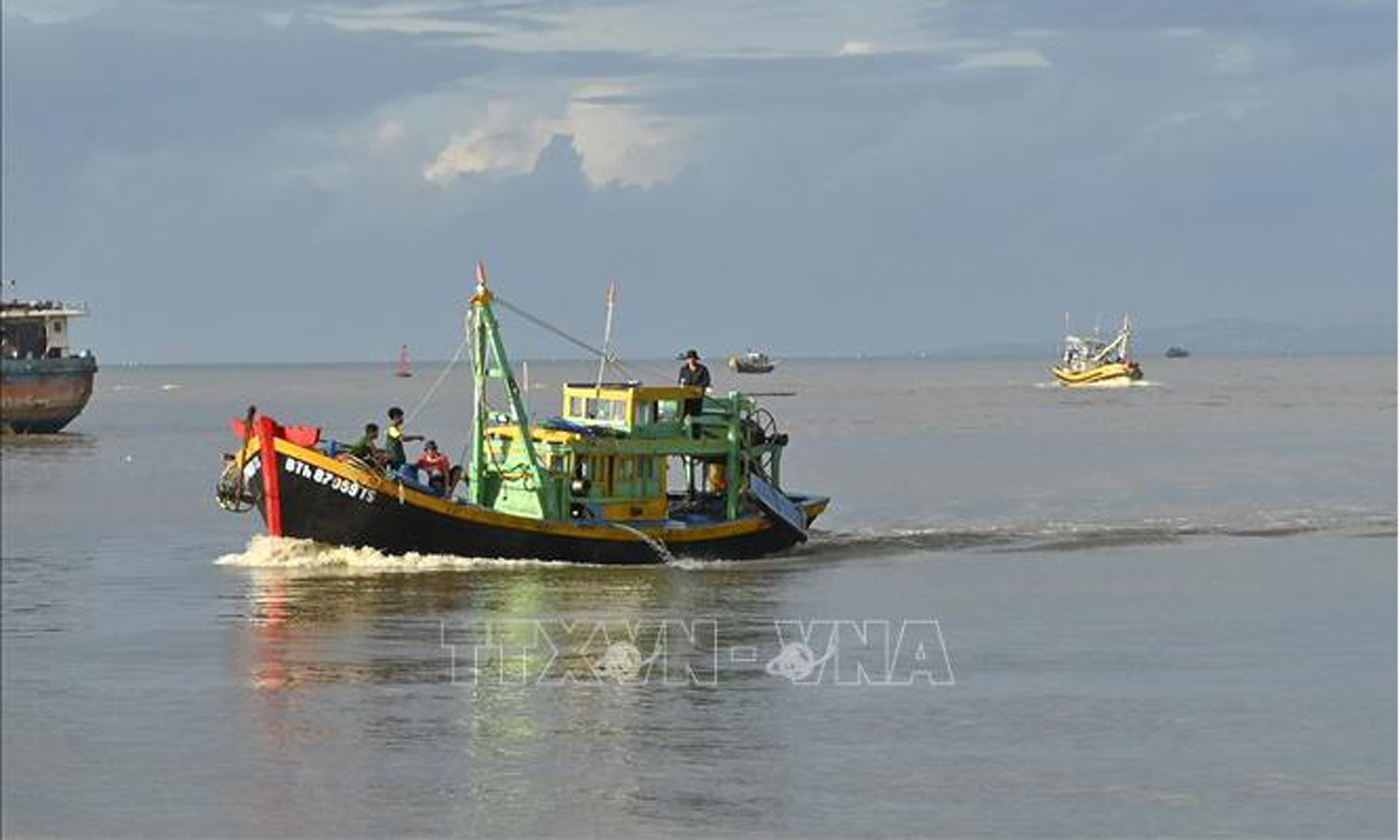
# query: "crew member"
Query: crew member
{"points": [[364, 447], [696, 375], [394, 439], [434, 463]]}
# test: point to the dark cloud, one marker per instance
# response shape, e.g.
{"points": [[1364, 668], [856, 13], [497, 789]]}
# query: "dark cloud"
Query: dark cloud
{"points": [[132, 80]]}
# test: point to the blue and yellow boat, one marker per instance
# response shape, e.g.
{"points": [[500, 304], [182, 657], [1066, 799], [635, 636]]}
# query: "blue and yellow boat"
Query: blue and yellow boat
{"points": [[592, 485]]}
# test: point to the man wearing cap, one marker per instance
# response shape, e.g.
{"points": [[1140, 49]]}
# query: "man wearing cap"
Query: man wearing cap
{"points": [[696, 375]]}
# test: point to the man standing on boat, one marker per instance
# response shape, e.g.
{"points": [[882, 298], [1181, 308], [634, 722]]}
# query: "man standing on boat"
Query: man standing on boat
{"points": [[695, 375], [394, 439]]}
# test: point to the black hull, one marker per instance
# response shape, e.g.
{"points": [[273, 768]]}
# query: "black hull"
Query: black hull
{"points": [[378, 518]]}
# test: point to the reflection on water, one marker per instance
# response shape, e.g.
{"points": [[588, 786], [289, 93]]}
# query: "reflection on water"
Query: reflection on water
{"points": [[294, 619], [306, 643], [62, 446]]}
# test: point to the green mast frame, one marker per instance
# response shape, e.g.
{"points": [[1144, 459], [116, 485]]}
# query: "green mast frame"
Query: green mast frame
{"points": [[485, 334]]}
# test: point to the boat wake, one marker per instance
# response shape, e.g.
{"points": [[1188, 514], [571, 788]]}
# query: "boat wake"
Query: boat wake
{"points": [[1069, 536], [1103, 386], [297, 555], [291, 554]]}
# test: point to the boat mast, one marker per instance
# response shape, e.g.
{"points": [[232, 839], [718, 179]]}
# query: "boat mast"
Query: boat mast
{"points": [[607, 336], [486, 336]]}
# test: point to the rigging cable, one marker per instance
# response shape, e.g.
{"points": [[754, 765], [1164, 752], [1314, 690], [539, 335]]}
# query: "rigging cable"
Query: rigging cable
{"points": [[607, 357], [441, 376]]}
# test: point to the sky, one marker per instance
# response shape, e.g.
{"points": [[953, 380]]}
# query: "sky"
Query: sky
{"points": [[249, 180]]}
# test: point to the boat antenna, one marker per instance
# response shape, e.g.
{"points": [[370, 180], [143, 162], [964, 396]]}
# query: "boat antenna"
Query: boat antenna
{"points": [[606, 355]]}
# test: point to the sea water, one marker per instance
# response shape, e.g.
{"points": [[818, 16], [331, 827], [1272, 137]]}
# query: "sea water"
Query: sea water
{"points": [[1165, 609]]}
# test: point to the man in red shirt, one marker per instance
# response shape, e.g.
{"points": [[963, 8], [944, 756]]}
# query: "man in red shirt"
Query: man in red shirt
{"points": [[434, 463]]}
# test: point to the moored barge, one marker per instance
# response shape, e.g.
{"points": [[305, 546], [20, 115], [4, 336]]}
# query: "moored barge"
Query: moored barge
{"points": [[43, 384]]}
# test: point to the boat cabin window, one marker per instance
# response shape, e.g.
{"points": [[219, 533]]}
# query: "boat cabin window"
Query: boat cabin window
{"points": [[646, 413], [617, 474], [593, 408], [668, 410], [24, 339]]}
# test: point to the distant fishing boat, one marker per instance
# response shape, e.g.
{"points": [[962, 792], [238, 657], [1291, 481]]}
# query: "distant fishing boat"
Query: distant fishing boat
{"points": [[751, 362], [403, 363], [1177, 352], [43, 386], [1091, 362]]}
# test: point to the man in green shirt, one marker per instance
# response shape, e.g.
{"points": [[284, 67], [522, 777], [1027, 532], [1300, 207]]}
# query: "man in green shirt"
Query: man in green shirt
{"points": [[364, 447]]}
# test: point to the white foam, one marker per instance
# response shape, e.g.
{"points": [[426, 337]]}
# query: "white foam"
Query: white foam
{"points": [[692, 564], [1102, 386], [264, 552]]}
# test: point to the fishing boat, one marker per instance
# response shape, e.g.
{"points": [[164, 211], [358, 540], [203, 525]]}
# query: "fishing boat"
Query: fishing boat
{"points": [[591, 485], [1175, 352], [751, 362], [1093, 362], [43, 384]]}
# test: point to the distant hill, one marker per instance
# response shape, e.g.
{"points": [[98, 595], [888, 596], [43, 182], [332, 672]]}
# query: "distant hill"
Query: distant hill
{"points": [[1219, 337]]}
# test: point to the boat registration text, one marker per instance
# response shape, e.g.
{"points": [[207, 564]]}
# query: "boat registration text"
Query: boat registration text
{"points": [[322, 476]]}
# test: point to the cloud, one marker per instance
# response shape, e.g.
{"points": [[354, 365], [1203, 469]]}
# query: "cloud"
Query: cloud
{"points": [[390, 132], [620, 142], [1238, 58], [860, 48], [998, 59], [617, 139], [504, 141]]}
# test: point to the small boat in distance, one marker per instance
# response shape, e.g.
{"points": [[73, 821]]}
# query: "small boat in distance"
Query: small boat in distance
{"points": [[1177, 352], [403, 363], [42, 385], [1092, 362], [751, 362]]}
